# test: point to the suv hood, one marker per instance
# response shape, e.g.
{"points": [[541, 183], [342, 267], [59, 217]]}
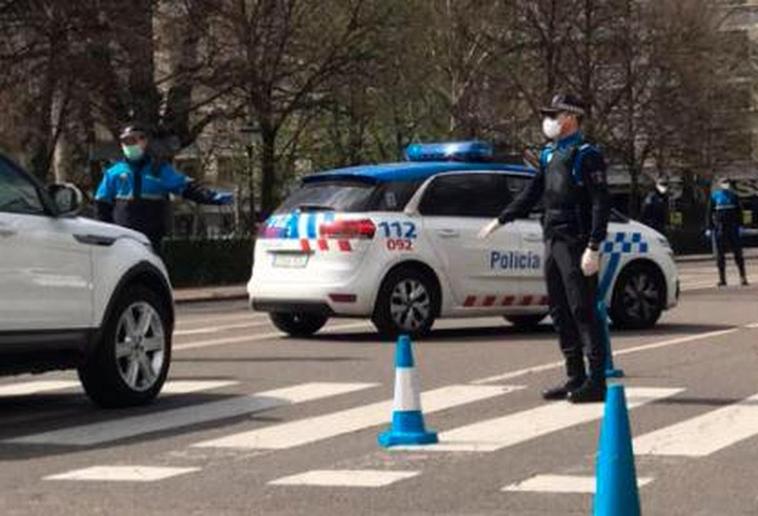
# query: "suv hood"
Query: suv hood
{"points": [[98, 228]]}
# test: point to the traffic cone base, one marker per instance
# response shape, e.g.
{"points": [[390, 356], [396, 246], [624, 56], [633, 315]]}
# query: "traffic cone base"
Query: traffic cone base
{"points": [[407, 428]]}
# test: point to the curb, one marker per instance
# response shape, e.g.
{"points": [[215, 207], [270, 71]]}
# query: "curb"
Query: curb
{"points": [[185, 297]]}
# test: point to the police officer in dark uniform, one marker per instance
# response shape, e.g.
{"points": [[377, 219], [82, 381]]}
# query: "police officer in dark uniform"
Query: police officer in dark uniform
{"points": [[571, 182], [135, 192], [724, 221], [655, 207]]}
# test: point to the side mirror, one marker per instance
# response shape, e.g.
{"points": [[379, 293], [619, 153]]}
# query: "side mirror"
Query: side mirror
{"points": [[68, 199]]}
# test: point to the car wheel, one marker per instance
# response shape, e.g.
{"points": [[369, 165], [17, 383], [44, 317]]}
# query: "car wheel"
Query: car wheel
{"points": [[407, 303], [638, 297], [298, 324], [131, 360], [525, 321]]}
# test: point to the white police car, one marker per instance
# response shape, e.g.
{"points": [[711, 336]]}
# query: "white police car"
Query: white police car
{"points": [[398, 243]]}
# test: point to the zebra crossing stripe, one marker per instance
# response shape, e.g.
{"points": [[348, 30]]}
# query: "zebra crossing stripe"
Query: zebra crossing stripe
{"points": [[123, 428], [561, 484], [314, 429], [703, 435], [171, 387], [122, 474], [36, 387], [190, 386], [513, 429], [346, 478]]}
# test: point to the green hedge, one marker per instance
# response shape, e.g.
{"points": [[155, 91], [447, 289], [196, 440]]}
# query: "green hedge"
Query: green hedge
{"points": [[193, 263]]}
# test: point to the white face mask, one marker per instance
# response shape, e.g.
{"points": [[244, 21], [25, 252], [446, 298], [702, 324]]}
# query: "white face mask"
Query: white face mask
{"points": [[551, 128], [662, 189]]}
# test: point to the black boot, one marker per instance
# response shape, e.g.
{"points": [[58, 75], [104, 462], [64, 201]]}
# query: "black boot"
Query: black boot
{"points": [[722, 277], [577, 375], [591, 391], [561, 392]]}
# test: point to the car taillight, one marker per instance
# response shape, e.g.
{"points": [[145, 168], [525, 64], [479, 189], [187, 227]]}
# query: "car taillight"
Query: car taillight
{"points": [[347, 229], [266, 231]]}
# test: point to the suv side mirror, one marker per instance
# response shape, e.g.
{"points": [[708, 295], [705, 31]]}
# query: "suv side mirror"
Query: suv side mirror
{"points": [[68, 199]]}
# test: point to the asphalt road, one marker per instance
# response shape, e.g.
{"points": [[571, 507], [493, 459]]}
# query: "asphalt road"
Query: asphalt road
{"points": [[253, 423]]}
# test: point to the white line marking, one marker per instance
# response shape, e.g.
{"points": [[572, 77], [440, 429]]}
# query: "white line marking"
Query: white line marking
{"points": [[122, 474], [113, 430], [501, 432], [305, 431], [189, 386], [627, 351], [561, 484], [26, 388], [219, 329], [752, 326], [187, 318], [171, 387], [705, 434], [257, 338], [345, 478]]}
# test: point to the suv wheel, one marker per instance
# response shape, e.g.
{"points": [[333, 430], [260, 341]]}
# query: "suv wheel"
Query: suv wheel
{"points": [[525, 321], [408, 303], [638, 297], [131, 361], [298, 324]]}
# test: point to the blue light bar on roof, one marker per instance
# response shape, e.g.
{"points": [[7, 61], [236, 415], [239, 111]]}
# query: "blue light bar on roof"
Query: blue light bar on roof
{"points": [[452, 151]]}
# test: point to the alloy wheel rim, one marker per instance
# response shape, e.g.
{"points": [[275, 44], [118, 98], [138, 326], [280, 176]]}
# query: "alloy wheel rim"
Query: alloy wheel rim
{"points": [[641, 296], [140, 346], [410, 305]]}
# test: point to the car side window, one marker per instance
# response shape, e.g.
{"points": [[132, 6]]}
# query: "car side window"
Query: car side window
{"points": [[466, 195], [18, 194]]}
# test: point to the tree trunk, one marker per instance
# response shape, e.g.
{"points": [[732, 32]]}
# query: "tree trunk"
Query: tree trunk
{"points": [[268, 168]]}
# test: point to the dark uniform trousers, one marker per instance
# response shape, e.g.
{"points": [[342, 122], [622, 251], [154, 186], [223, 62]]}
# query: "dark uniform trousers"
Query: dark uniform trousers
{"points": [[572, 307], [727, 237]]}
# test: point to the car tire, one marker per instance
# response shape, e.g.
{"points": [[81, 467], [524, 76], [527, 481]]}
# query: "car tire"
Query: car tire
{"points": [[638, 297], [525, 321], [407, 304], [298, 324], [132, 356]]}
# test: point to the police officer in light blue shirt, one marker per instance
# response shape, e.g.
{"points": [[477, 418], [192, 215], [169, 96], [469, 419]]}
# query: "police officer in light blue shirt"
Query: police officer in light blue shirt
{"points": [[724, 222], [135, 192]]}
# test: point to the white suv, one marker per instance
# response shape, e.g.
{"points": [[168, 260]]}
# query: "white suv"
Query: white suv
{"points": [[398, 243], [76, 293]]}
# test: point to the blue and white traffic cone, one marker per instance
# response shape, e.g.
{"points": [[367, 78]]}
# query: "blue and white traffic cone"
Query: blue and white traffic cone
{"points": [[601, 312], [407, 419], [616, 492]]}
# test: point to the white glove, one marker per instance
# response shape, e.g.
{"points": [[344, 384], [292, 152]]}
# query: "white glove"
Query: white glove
{"points": [[590, 262], [487, 230]]}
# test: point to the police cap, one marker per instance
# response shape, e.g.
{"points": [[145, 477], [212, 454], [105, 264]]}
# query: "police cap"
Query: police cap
{"points": [[562, 103], [133, 131]]}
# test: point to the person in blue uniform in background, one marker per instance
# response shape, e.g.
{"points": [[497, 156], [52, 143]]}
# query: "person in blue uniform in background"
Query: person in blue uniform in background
{"points": [[134, 193], [724, 219]]}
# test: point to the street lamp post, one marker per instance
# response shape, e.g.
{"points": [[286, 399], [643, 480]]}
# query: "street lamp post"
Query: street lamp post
{"points": [[253, 131]]}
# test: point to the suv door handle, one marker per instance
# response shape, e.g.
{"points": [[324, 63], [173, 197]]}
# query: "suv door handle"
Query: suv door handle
{"points": [[533, 237], [448, 233]]}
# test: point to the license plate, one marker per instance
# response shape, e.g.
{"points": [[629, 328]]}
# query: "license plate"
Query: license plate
{"points": [[292, 261]]}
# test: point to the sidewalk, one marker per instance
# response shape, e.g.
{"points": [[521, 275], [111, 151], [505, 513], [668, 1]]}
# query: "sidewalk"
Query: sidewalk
{"points": [[750, 253], [238, 292]]}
